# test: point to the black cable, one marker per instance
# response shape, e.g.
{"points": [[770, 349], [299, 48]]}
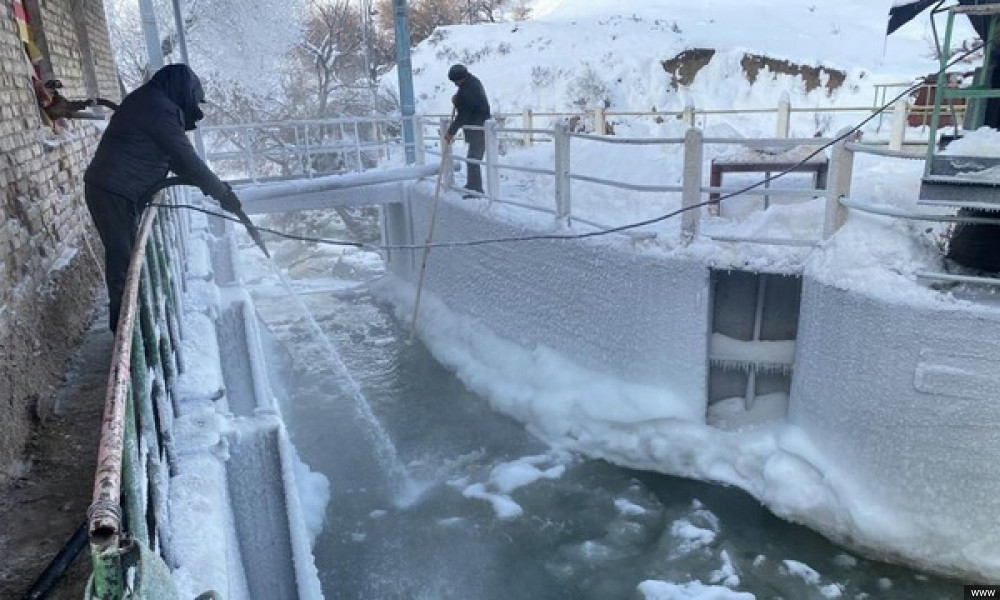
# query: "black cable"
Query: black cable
{"points": [[56, 569], [601, 232], [290, 236]]}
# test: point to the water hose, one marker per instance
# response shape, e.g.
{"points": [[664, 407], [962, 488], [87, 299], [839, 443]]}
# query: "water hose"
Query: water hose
{"points": [[59, 565], [250, 227]]}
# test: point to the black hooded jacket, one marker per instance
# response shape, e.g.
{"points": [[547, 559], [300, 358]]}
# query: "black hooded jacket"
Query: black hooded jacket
{"points": [[471, 105], [145, 138]]}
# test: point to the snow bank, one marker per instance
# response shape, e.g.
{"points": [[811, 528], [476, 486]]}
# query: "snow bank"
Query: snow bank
{"points": [[580, 55], [984, 141]]}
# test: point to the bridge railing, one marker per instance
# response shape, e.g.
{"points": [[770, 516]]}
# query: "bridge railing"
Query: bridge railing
{"points": [[295, 149], [600, 120], [692, 190], [835, 188], [303, 149], [128, 515]]}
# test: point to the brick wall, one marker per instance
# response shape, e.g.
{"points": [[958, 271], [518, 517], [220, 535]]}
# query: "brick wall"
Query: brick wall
{"points": [[48, 268]]}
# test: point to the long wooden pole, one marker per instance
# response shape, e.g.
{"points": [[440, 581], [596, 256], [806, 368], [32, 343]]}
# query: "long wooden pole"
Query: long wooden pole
{"points": [[430, 239]]}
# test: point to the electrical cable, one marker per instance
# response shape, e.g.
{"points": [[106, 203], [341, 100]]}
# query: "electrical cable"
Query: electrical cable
{"points": [[846, 133]]}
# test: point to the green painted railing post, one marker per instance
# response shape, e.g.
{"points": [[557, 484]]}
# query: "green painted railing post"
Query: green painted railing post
{"points": [[134, 467], [130, 487]]}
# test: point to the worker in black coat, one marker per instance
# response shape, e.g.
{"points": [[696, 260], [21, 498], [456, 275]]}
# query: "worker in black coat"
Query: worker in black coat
{"points": [[144, 140], [471, 108]]}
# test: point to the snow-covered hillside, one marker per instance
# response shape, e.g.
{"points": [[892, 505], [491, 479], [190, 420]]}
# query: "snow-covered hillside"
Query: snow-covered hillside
{"points": [[577, 54]]}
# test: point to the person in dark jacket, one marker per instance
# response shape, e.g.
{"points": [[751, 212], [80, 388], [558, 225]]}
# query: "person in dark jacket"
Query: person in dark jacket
{"points": [[471, 108], [144, 140]]}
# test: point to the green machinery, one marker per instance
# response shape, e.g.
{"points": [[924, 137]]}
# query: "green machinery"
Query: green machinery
{"points": [[969, 183]]}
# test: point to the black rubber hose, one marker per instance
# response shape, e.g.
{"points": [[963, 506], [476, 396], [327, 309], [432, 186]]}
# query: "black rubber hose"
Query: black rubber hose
{"points": [[59, 565]]}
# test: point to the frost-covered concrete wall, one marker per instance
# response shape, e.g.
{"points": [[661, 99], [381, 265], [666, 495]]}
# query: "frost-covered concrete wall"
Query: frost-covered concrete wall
{"points": [[47, 274], [903, 400], [604, 305], [891, 437]]}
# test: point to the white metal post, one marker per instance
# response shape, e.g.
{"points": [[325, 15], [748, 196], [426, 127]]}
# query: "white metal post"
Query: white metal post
{"points": [[492, 160], [446, 159], [309, 163], [526, 124], [600, 125], [418, 139], [784, 115], [688, 115], [691, 194], [900, 113], [838, 186], [563, 205], [357, 147]]}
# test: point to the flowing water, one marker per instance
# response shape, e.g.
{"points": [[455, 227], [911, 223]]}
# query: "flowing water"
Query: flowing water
{"points": [[588, 530]]}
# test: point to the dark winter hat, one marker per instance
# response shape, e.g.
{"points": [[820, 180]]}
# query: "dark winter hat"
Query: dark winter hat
{"points": [[184, 89], [457, 73]]}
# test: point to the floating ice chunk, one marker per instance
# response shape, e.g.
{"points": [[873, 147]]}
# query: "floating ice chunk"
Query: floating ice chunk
{"points": [[507, 477], [691, 536], [726, 574], [504, 506], [693, 590], [807, 573], [628, 509], [833, 590]]}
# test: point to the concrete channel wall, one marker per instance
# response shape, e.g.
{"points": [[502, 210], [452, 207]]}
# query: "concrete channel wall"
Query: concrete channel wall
{"points": [[905, 399], [607, 307], [236, 462], [898, 404]]}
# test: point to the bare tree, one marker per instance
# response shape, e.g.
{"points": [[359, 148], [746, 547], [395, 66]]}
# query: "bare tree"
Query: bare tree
{"points": [[425, 16], [485, 11], [332, 50], [127, 42]]}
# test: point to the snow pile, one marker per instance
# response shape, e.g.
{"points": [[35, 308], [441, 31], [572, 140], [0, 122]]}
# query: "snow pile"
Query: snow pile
{"points": [[581, 55], [984, 141]]}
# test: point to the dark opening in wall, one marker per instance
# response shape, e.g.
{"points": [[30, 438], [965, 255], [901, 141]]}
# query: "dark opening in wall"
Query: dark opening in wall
{"points": [[755, 319], [37, 66]]}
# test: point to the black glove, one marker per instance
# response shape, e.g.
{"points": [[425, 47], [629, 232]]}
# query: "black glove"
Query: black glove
{"points": [[229, 201]]}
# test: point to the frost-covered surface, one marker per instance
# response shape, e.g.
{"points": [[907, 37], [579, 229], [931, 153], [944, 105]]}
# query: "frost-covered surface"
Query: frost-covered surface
{"points": [[984, 141], [804, 469], [211, 524]]}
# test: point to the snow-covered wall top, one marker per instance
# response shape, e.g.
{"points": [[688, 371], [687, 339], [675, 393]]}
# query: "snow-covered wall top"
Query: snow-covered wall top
{"points": [[576, 54]]}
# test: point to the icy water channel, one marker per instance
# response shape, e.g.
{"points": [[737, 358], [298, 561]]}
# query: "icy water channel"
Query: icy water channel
{"points": [[581, 529]]}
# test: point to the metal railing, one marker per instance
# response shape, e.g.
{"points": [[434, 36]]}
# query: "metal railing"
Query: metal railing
{"points": [[599, 119], [128, 512], [303, 149], [307, 148], [377, 141], [691, 189]]}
